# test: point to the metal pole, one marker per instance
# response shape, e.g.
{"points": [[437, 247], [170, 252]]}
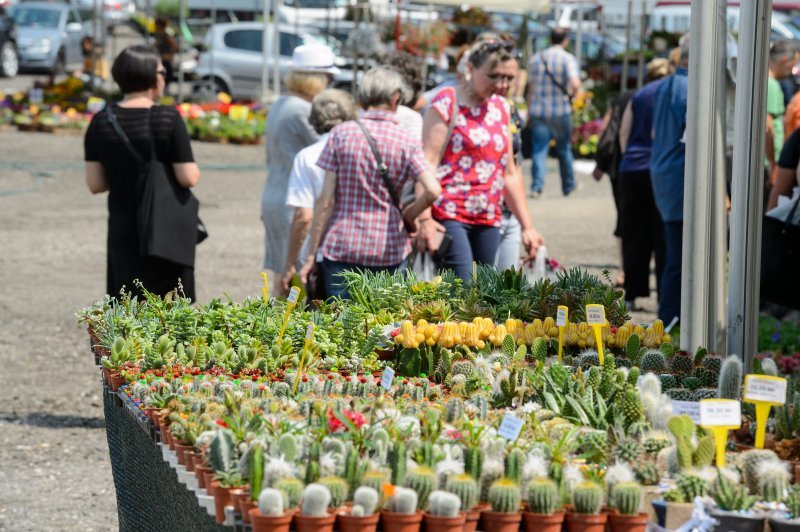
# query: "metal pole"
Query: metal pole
{"points": [[181, 25], [276, 49], [623, 80], [640, 59], [148, 14], [579, 36], [266, 52], [748, 170], [704, 134]]}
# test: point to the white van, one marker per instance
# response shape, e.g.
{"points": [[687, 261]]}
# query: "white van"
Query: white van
{"points": [[675, 17]]}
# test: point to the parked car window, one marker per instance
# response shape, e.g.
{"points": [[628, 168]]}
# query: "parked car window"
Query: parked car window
{"points": [[29, 17], [289, 41], [73, 17], [250, 40]]}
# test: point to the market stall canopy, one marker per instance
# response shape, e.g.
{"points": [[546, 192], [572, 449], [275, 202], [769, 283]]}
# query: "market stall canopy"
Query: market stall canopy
{"points": [[540, 6]]}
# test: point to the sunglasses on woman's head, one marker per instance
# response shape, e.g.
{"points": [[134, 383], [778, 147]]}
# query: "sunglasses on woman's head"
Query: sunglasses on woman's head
{"points": [[490, 47], [161, 72]]}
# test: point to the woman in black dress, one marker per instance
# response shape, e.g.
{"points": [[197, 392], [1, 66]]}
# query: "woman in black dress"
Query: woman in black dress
{"points": [[111, 167]]}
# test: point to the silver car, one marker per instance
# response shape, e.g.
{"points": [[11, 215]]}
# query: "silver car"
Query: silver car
{"points": [[233, 58], [48, 36]]}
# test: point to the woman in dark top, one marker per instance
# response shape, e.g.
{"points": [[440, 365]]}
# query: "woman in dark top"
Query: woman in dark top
{"points": [[111, 167]]}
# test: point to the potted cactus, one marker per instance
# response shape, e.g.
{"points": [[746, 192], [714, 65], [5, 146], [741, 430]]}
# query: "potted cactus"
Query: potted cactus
{"points": [[314, 515], [788, 521], [466, 489], [734, 507], [628, 501], [255, 477], [504, 499], [587, 498], [269, 515], [363, 516], [544, 507], [444, 513], [401, 514]]}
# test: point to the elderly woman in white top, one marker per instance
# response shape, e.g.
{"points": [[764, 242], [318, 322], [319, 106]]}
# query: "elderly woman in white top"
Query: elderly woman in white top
{"points": [[288, 132]]}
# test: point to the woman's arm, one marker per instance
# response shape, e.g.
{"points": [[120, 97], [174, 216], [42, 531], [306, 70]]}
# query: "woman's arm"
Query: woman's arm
{"points": [[514, 195], [187, 174], [785, 181], [95, 177], [323, 209], [434, 136]]}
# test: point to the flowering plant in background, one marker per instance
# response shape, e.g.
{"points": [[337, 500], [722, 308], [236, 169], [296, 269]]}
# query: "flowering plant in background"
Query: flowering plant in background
{"points": [[586, 124]]}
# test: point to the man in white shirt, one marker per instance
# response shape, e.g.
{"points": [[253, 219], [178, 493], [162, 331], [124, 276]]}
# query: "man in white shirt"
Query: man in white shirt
{"points": [[329, 109]]}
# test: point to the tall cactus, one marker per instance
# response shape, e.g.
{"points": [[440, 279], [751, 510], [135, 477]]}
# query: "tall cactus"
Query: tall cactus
{"points": [[730, 379]]}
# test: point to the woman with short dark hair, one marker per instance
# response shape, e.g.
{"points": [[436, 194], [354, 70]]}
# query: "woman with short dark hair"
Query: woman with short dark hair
{"points": [[110, 166]]}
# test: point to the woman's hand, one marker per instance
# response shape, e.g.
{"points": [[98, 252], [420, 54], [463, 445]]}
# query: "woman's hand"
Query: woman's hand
{"points": [[531, 239], [286, 281], [306, 269], [428, 236]]}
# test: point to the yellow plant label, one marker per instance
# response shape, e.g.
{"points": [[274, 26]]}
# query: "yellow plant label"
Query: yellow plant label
{"points": [[764, 391]]}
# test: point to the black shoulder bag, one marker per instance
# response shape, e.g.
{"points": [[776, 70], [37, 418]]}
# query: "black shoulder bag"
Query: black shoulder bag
{"points": [[166, 213], [780, 260], [383, 171], [557, 83]]}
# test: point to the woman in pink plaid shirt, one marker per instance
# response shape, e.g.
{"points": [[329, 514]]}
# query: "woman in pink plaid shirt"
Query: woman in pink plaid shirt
{"points": [[358, 222]]}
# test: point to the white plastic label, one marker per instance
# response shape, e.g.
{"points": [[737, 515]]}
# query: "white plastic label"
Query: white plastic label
{"points": [[720, 413], [561, 317], [595, 315], [387, 377], [294, 293], [510, 427], [764, 388], [690, 408], [310, 331]]}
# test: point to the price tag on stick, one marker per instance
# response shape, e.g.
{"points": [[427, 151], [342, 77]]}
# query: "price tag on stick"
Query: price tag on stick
{"points": [[387, 377], [510, 427], [690, 408], [303, 355], [764, 391], [596, 318], [720, 416], [291, 302], [562, 315], [265, 289]]}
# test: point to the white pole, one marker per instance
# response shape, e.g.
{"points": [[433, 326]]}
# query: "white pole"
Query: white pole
{"points": [[276, 50], [265, 53], [748, 171], [704, 134], [640, 58], [181, 23], [579, 36]]}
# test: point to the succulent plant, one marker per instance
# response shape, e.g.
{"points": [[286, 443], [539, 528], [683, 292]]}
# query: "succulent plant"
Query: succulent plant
{"points": [[668, 381], [270, 502], [588, 359], [773, 480], [682, 363], [514, 461], [768, 367], [465, 488], [653, 361], [682, 428], [367, 498], [403, 501], [729, 496], [627, 497], [647, 473], [316, 500], [504, 496], [292, 488], [444, 504], [423, 481], [792, 501], [337, 486], [691, 486], [222, 451], [730, 378], [287, 447], [255, 470], [543, 497], [628, 450], [454, 410], [587, 497], [750, 461]]}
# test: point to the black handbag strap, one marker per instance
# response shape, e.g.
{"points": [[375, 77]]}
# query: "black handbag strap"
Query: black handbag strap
{"points": [[383, 170], [112, 119], [557, 83]]}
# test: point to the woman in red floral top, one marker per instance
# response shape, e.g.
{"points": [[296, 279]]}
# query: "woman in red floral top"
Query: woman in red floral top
{"points": [[476, 170]]}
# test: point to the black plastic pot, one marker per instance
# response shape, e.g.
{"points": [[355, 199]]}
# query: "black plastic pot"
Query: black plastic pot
{"points": [[736, 522], [660, 508], [779, 524]]}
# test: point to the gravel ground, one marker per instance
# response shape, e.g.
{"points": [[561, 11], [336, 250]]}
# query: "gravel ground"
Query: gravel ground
{"points": [[54, 467]]}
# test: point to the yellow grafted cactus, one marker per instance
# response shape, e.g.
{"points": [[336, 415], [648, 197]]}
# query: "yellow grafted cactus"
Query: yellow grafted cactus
{"points": [[623, 333], [639, 330], [410, 338], [530, 334], [658, 328], [488, 328], [538, 327], [422, 325], [549, 323], [498, 335], [583, 327], [448, 334]]}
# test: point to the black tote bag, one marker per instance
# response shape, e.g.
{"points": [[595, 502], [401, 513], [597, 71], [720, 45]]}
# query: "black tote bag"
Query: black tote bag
{"points": [[166, 214], [780, 260]]}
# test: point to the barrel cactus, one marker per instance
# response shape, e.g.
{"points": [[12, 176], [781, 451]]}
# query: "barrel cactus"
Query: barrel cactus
{"points": [[504, 496], [543, 497], [466, 488], [627, 497], [587, 498]]}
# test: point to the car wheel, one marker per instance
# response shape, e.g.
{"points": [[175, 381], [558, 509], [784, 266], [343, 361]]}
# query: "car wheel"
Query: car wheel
{"points": [[213, 85], [9, 61], [60, 66]]}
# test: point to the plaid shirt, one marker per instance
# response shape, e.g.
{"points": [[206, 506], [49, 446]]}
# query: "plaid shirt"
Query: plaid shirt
{"points": [[548, 100], [366, 227]]}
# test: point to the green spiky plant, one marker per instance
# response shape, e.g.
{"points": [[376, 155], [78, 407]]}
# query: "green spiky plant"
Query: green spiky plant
{"points": [[731, 497]]}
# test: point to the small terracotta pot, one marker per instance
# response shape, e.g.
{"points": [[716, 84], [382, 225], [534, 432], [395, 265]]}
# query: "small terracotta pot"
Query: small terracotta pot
{"points": [[586, 522], [209, 476], [268, 523], [501, 521], [306, 523], [236, 495], [245, 505], [172, 441], [543, 522], [437, 523], [473, 517], [397, 522], [627, 523], [181, 449], [200, 473], [190, 460], [349, 523], [222, 498], [116, 381]]}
